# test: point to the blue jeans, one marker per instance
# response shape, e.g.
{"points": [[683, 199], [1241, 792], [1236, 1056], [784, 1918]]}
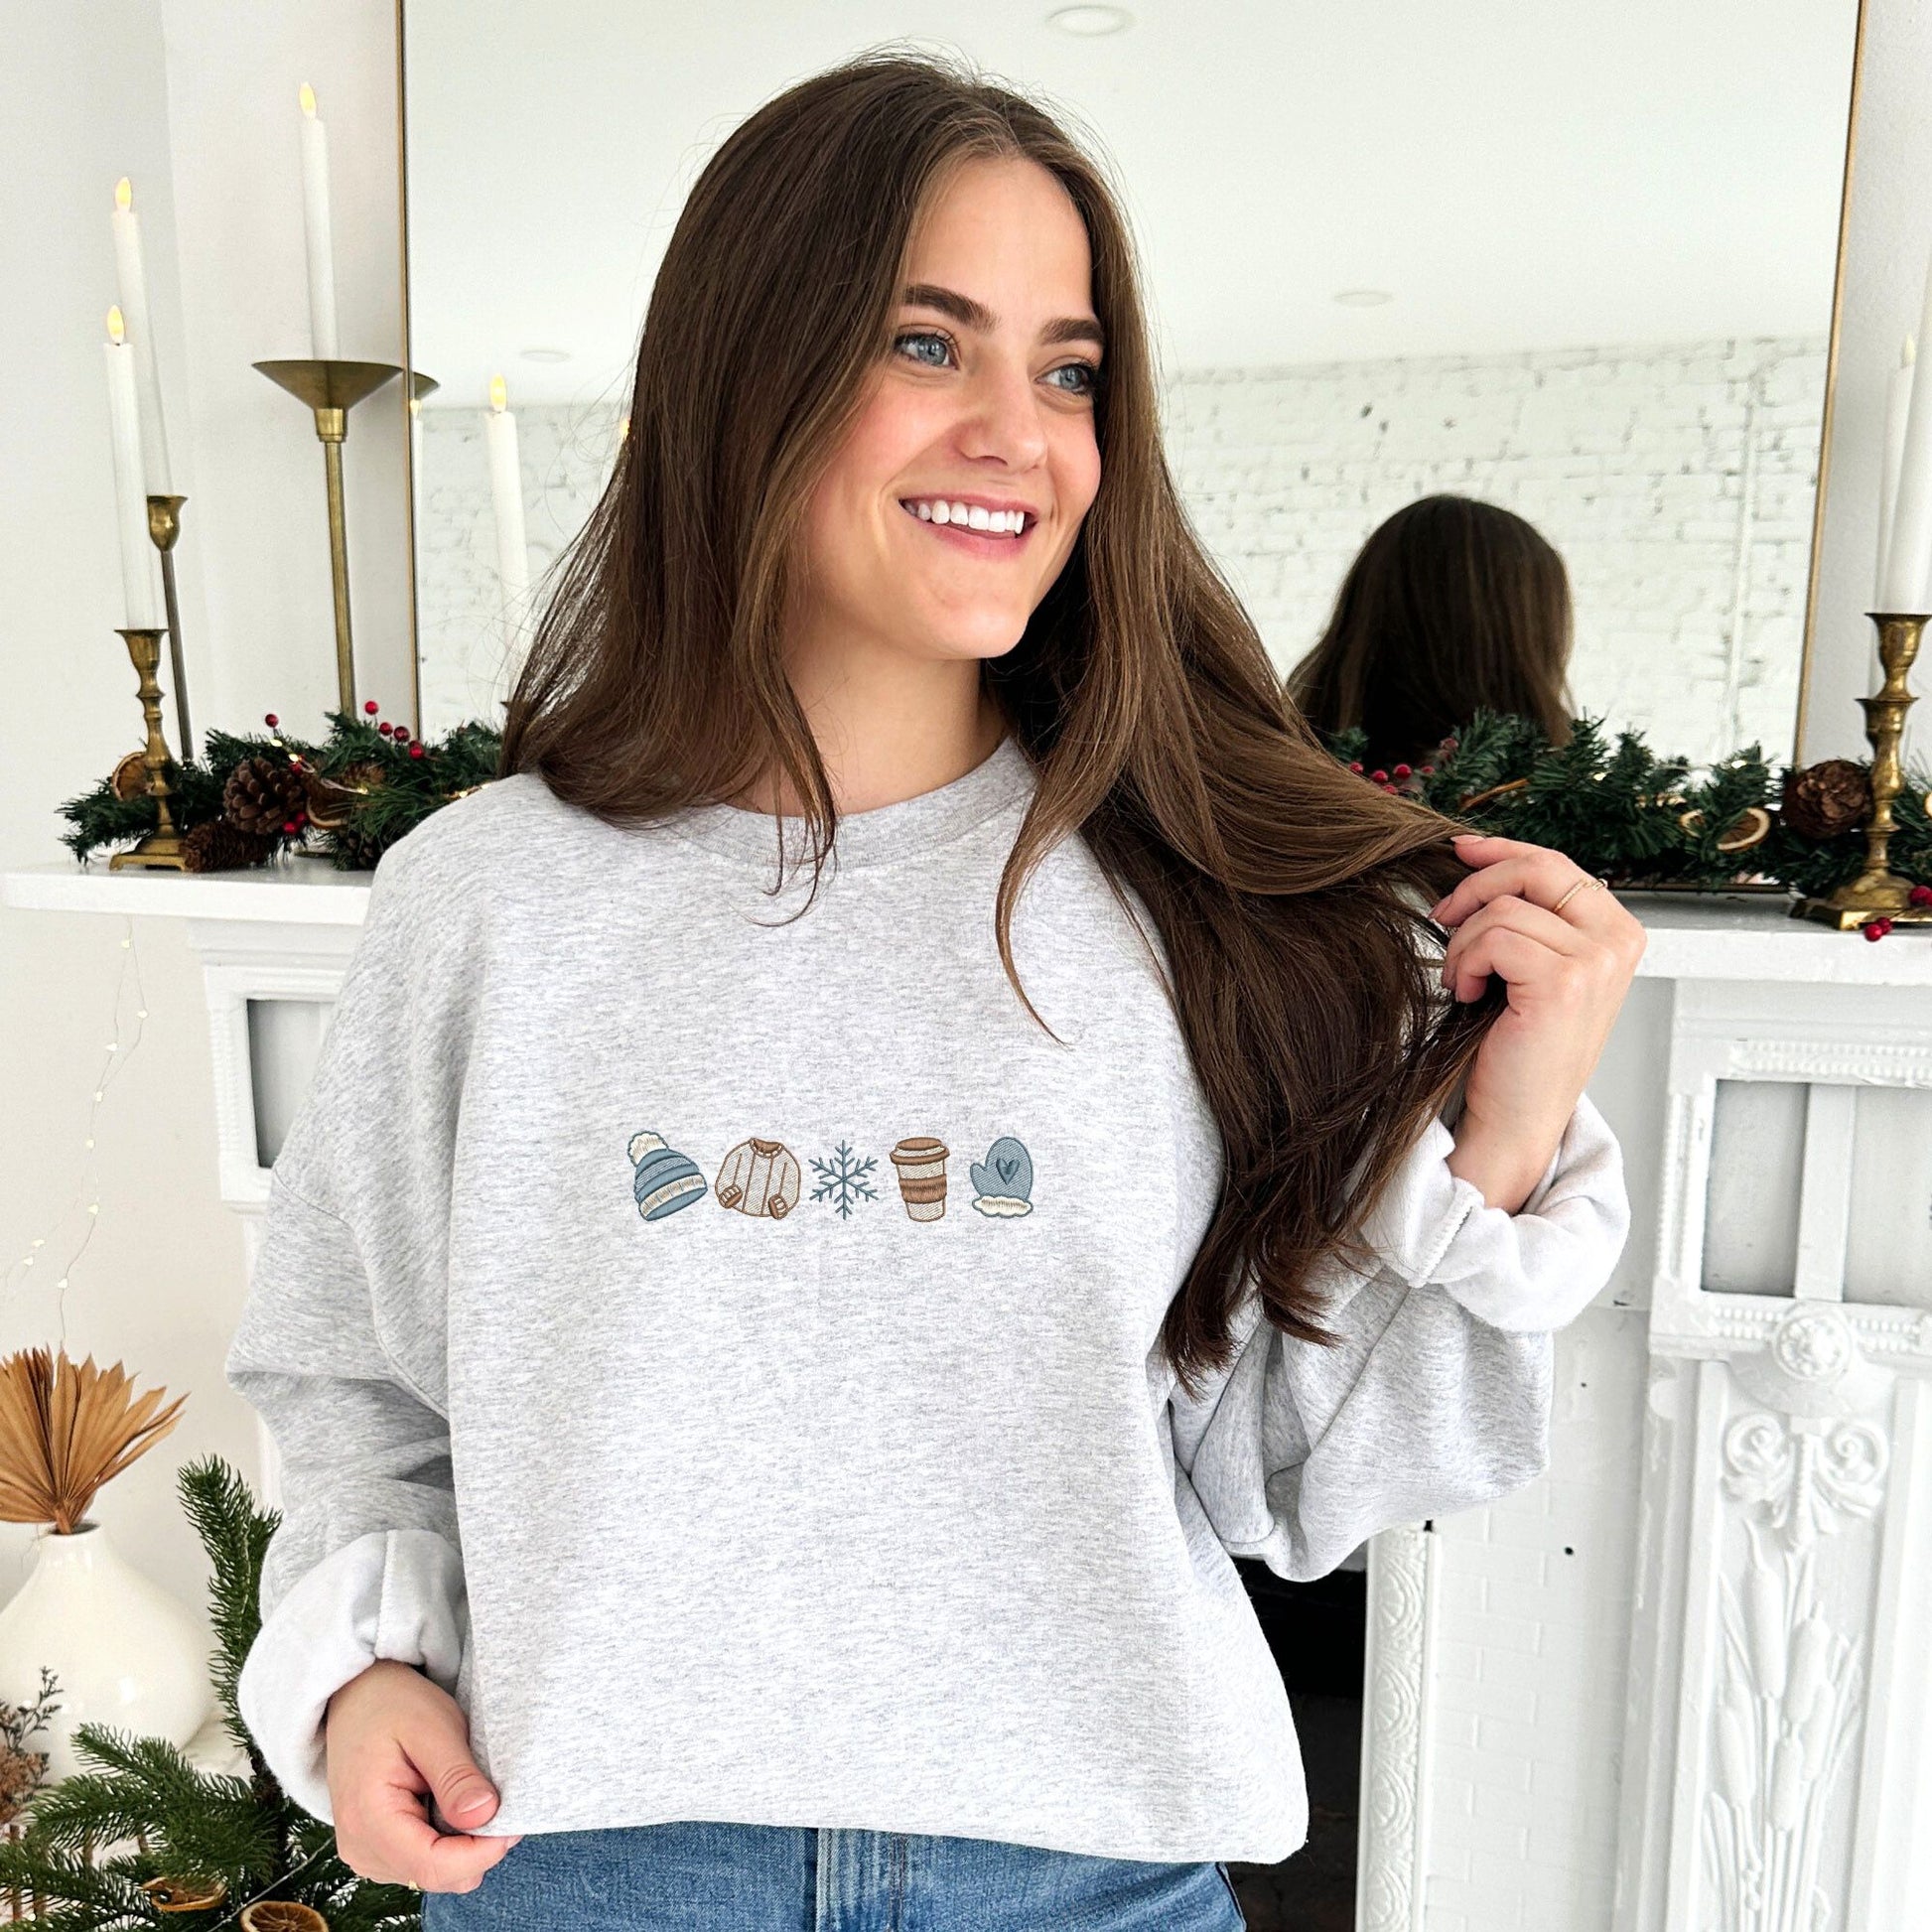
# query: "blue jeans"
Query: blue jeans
{"points": [[718, 1878]]}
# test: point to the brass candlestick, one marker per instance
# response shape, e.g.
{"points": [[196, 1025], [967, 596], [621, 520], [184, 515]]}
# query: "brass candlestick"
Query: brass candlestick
{"points": [[162, 846], [164, 526], [1879, 891], [332, 388]]}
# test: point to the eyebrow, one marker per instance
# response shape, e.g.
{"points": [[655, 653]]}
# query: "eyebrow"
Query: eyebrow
{"points": [[976, 315]]}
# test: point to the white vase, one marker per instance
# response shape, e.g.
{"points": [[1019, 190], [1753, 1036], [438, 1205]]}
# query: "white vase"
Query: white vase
{"points": [[124, 1652]]}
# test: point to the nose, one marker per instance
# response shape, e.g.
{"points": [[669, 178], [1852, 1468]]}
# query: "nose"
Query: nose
{"points": [[1002, 415]]}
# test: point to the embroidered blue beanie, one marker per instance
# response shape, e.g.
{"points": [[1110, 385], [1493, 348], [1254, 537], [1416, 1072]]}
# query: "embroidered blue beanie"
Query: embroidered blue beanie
{"points": [[667, 1180]]}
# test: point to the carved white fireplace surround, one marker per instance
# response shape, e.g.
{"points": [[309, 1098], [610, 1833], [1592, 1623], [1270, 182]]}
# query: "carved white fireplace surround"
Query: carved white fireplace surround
{"points": [[1683, 1682]]}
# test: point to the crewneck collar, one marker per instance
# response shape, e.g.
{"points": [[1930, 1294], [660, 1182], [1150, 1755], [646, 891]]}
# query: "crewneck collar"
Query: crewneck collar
{"points": [[886, 832]]}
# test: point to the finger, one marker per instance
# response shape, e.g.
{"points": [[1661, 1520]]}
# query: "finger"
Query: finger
{"points": [[1481, 848], [1557, 936], [1537, 873], [1520, 959], [456, 1862], [1535, 922], [404, 1848]]}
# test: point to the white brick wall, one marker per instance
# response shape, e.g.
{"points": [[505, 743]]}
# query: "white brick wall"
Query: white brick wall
{"points": [[1677, 481]]}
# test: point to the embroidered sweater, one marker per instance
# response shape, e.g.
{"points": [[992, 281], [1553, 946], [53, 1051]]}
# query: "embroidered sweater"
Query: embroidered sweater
{"points": [[720, 1348]]}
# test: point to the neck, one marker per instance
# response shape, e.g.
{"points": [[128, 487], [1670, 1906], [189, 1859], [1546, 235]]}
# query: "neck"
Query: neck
{"points": [[888, 725]]}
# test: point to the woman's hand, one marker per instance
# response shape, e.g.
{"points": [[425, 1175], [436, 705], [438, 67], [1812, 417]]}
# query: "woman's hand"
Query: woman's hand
{"points": [[391, 1738], [1566, 974]]}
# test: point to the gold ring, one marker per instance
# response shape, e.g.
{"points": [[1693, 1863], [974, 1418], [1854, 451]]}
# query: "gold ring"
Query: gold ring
{"points": [[1576, 888]]}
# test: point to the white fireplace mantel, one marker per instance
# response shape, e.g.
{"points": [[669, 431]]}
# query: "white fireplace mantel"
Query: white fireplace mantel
{"points": [[1773, 1581], [1693, 935]]}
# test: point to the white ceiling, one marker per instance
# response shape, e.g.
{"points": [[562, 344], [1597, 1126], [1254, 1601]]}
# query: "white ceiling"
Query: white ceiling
{"points": [[1517, 175]]}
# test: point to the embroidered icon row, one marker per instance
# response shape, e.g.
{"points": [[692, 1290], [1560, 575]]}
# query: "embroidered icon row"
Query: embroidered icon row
{"points": [[763, 1178]]}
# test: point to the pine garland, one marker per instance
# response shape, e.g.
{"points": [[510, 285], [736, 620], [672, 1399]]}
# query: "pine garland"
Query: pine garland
{"points": [[362, 789], [242, 1839], [1614, 805], [1640, 820]]}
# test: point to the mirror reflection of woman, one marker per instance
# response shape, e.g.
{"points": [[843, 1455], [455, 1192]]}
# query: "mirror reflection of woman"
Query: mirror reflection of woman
{"points": [[1452, 604], [774, 1361]]}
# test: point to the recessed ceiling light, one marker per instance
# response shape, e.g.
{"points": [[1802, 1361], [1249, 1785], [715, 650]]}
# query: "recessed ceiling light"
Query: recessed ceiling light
{"points": [[543, 354], [1091, 22], [1363, 298]]}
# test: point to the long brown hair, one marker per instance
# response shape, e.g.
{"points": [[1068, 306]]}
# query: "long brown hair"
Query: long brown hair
{"points": [[1289, 893], [1450, 604]]}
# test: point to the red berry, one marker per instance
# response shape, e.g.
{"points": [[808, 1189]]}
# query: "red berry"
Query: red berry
{"points": [[1919, 896], [270, 720], [403, 734], [287, 825], [1875, 928], [372, 707], [1380, 776], [1354, 764], [386, 728], [1402, 772], [1427, 770], [415, 750]]}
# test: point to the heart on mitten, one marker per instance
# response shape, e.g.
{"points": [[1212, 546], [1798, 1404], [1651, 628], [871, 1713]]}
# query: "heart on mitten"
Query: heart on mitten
{"points": [[1007, 1173]]}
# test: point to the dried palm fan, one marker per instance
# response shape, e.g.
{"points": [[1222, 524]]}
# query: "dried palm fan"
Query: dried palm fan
{"points": [[64, 1431]]}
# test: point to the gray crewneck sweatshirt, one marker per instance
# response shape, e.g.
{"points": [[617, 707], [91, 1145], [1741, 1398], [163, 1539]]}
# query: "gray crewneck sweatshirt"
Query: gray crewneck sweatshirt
{"points": [[722, 1353]]}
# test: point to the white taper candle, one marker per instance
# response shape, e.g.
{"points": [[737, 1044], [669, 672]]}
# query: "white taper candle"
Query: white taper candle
{"points": [[324, 342], [1898, 400], [132, 274], [1908, 548], [506, 497], [138, 576]]}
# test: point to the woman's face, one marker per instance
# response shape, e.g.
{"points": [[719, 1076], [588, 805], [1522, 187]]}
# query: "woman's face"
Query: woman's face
{"points": [[985, 399]]}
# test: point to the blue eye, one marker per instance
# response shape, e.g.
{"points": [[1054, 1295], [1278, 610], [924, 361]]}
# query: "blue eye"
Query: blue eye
{"points": [[922, 336], [1089, 373]]}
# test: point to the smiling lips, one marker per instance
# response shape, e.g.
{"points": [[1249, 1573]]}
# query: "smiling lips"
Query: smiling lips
{"points": [[978, 525]]}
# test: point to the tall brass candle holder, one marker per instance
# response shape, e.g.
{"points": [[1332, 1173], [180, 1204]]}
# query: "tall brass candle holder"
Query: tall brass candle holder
{"points": [[161, 847], [332, 388], [164, 527], [1877, 891]]}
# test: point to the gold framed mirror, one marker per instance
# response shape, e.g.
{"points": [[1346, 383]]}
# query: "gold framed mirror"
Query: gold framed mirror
{"points": [[1614, 313]]}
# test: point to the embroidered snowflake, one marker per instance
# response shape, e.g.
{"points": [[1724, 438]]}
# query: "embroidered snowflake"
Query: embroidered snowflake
{"points": [[842, 1180]]}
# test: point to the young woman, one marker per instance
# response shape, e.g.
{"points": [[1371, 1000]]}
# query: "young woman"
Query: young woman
{"points": [[1450, 604], [769, 1376]]}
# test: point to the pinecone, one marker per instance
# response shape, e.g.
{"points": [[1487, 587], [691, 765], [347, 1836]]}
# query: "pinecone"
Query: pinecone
{"points": [[262, 795], [1824, 799], [217, 846], [357, 847]]}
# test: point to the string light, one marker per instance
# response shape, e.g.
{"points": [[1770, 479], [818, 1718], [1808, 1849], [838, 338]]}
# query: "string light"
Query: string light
{"points": [[87, 1189]]}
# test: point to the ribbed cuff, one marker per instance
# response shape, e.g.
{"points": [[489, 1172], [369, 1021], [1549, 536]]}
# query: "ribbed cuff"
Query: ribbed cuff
{"points": [[389, 1593], [1535, 1269]]}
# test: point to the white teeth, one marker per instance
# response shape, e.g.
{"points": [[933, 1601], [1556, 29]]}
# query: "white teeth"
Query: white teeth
{"points": [[975, 516]]}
